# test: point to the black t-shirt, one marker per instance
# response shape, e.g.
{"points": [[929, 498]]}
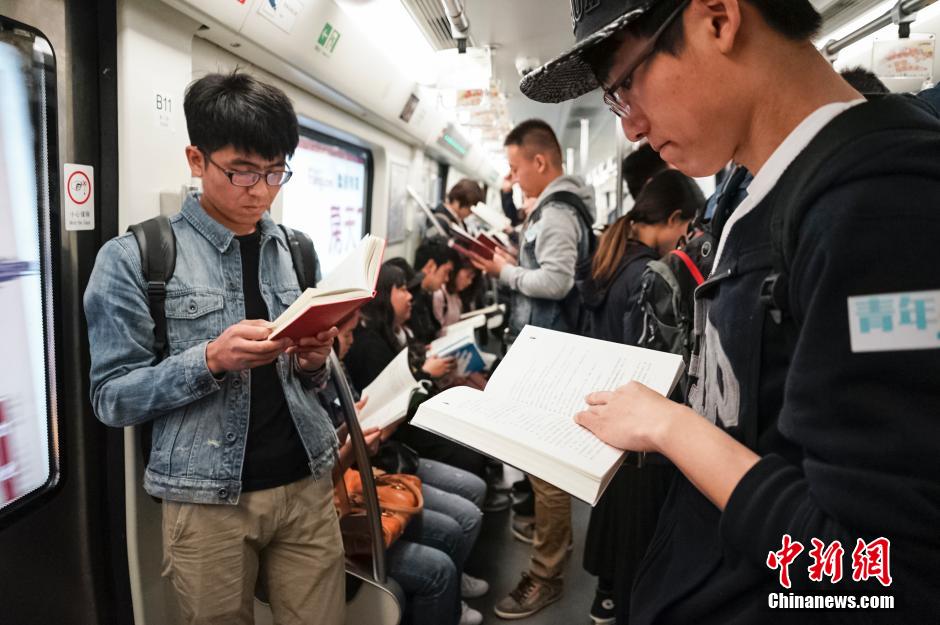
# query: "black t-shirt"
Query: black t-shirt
{"points": [[274, 453]]}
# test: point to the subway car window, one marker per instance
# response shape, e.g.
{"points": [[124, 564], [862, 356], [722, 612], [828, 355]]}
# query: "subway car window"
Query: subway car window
{"points": [[28, 458], [328, 195]]}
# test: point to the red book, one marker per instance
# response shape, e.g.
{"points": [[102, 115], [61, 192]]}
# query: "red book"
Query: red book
{"points": [[463, 243], [350, 285]]}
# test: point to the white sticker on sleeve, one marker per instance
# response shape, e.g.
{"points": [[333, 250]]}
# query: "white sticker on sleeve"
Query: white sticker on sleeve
{"points": [[895, 321]]}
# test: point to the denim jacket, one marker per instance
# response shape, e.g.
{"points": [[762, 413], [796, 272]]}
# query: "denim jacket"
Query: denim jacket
{"points": [[200, 424]]}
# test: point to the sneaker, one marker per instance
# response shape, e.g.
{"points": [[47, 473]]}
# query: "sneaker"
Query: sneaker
{"points": [[603, 610], [528, 597], [523, 528], [473, 587], [524, 505], [520, 487], [469, 616], [496, 502]]}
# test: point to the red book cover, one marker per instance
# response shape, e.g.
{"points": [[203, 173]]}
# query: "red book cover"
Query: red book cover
{"points": [[348, 287], [463, 243], [321, 317]]}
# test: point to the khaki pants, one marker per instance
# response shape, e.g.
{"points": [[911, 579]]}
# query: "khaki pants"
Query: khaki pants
{"points": [[552, 530], [288, 536]]}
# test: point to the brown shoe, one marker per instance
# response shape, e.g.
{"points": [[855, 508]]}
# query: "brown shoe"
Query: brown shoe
{"points": [[528, 597]]}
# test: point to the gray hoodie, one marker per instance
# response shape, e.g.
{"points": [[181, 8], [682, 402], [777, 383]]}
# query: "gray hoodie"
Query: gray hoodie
{"points": [[553, 239]]}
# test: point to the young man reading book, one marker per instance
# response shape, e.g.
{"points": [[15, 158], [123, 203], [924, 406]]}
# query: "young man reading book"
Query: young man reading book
{"points": [[553, 240], [242, 450], [434, 261], [816, 468]]}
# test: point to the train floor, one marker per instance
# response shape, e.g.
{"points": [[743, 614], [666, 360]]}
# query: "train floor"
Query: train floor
{"points": [[500, 559]]}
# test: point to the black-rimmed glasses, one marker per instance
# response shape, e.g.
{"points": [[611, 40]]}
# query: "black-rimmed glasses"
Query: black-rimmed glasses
{"points": [[251, 178], [615, 97]]}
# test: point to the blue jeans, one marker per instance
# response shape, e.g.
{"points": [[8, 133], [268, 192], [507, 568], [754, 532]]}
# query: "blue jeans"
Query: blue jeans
{"points": [[459, 495], [426, 573], [428, 559]]}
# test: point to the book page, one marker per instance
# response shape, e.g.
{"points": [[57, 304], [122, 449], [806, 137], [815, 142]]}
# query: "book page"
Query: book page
{"points": [[489, 310], [554, 371], [550, 433], [462, 327], [358, 270], [394, 381]]}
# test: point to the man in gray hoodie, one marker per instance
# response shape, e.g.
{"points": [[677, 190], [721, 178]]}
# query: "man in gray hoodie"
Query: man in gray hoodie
{"points": [[555, 238]]}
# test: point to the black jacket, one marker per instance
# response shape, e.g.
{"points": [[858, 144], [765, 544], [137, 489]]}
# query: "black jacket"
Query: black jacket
{"points": [[850, 441], [608, 307], [423, 324], [369, 355]]}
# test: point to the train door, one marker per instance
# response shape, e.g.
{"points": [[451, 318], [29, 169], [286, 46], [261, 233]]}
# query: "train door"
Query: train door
{"points": [[62, 556]]}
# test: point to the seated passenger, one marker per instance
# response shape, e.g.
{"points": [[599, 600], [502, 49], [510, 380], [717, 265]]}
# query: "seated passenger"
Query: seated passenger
{"points": [[241, 450], [380, 336], [456, 207], [450, 521], [449, 300], [434, 262], [811, 450], [623, 521]]}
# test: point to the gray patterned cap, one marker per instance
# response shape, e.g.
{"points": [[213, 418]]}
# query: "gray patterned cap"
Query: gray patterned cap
{"points": [[569, 76]]}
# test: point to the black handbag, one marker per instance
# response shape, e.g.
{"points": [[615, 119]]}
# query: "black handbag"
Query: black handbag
{"points": [[396, 457]]}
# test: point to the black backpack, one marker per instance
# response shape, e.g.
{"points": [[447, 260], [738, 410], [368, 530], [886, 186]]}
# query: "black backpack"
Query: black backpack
{"points": [[571, 305], [666, 304], [157, 245]]}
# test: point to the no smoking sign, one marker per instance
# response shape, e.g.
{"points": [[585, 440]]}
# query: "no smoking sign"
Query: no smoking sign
{"points": [[79, 201]]}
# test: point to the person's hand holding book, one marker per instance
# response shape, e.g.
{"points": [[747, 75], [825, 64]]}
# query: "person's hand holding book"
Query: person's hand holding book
{"points": [[312, 351], [633, 417], [438, 367], [244, 345]]}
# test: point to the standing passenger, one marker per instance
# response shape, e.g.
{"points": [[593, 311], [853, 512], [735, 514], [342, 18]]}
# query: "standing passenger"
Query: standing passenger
{"points": [[242, 450], [623, 521], [554, 240], [813, 441]]}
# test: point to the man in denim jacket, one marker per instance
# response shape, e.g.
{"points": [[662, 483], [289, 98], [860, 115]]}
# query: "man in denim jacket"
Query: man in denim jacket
{"points": [[242, 450]]}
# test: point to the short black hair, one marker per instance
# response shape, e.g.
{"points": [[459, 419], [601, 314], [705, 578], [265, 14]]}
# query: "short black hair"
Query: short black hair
{"points": [[238, 110], [536, 135], [436, 251], [796, 20], [863, 80], [641, 165]]}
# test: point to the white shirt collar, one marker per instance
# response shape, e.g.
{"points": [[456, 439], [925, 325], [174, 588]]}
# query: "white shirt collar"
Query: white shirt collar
{"points": [[783, 156]]}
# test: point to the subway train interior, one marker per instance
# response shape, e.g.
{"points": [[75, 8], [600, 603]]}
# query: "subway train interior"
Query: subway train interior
{"points": [[397, 102]]}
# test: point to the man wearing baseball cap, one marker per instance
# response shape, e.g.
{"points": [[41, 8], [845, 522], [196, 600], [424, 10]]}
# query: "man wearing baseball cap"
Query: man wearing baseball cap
{"points": [[810, 448]]}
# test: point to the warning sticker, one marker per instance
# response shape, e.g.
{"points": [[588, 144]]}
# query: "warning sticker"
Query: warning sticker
{"points": [[79, 200]]}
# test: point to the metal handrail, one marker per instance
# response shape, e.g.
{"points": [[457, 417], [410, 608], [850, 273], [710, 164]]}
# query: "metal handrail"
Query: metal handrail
{"points": [[902, 9], [373, 511]]}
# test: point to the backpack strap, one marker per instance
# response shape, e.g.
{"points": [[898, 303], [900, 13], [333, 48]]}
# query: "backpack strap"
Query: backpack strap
{"points": [[304, 256], [157, 245], [807, 177]]}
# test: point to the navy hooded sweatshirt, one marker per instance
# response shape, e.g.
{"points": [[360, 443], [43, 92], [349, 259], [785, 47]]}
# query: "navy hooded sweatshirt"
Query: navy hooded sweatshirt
{"points": [[849, 440]]}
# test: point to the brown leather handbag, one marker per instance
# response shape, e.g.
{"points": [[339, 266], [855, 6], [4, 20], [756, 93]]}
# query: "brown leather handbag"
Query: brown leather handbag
{"points": [[399, 497]]}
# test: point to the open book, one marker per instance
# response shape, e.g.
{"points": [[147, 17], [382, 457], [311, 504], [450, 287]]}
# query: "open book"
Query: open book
{"points": [[525, 417], [496, 220], [389, 394], [492, 309], [461, 344], [350, 285]]}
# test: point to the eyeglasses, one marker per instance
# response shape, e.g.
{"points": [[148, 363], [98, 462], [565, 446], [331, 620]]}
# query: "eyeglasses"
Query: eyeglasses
{"points": [[615, 97], [251, 178]]}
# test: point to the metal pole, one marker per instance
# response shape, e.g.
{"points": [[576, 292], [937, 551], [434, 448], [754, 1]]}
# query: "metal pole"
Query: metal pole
{"points": [[903, 9], [373, 510]]}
